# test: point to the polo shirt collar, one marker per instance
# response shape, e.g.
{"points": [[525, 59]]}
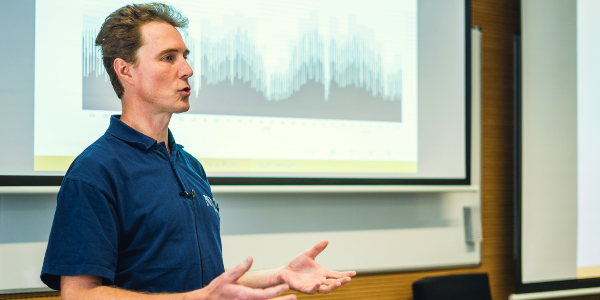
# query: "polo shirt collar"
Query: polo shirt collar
{"points": [[174, 146], [129, 135]]}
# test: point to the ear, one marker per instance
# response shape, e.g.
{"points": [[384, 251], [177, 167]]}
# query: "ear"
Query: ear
{"points": [[123, 70]]}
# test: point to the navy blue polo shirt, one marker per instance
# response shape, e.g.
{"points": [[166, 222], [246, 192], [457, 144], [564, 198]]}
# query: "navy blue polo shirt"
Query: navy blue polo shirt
{"points": [[135, 216]]}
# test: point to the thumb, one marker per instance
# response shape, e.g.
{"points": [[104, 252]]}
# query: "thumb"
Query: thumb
{"points": [[317, 249], [238, 271]]}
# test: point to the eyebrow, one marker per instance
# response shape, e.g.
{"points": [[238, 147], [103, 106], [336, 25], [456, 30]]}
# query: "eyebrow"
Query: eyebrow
{"points": [[185, 52]]}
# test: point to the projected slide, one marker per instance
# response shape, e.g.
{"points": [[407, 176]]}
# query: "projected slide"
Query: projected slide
{"points": [[334, 83], [262, 64]]}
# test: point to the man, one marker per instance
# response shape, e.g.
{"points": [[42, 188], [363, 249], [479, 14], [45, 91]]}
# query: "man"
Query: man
{"points": [[132, 220]]}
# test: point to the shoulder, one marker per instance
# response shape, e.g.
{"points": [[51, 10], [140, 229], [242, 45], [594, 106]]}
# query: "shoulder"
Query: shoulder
{"points": [[95, 165]]}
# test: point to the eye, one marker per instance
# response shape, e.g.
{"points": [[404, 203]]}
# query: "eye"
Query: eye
{"points": [[168, 58]]}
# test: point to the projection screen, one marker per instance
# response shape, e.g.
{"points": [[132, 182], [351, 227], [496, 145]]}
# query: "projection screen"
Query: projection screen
{"points": [[283, 92]]}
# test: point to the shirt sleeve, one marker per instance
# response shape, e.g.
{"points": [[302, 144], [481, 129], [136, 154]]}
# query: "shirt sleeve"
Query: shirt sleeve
{"points": [[84, 236]]}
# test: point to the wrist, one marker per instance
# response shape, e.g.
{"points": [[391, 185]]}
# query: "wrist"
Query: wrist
{"points": [[279, 278], [187, 296], [194, 295]]}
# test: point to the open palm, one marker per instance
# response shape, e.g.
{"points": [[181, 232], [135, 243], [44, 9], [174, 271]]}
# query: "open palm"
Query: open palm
{"points": [[305, 275]]}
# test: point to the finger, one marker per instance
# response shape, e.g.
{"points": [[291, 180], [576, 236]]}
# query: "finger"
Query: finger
{"points": [[268, 293], [344, 280], [317, 249], [239, 291], [328, 283], [335, 274], [315, 288], [326, 289], [234, 274], [288, 297], [308, 288]]}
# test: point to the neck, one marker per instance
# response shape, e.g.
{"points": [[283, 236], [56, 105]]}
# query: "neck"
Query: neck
{"points": [[144, 120]]}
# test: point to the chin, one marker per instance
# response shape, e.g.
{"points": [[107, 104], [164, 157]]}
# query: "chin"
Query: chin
{"points": [[183, 109]]}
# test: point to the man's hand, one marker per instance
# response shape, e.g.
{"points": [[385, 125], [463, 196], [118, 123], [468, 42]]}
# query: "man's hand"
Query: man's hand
{"points": [[305, 275], [226, 287]]}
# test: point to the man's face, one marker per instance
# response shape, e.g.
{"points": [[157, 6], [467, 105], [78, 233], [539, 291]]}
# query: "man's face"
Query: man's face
{"points": [[161, 73]]}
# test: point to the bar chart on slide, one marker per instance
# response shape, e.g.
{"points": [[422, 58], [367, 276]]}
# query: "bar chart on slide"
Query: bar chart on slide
{"points": [[300, 59]]}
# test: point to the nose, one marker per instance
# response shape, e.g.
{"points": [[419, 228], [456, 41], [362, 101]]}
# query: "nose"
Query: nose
{"points": [[185, 71]]}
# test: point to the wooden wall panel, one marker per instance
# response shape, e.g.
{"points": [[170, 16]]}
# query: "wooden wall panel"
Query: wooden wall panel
{"points": [[499, 20]]}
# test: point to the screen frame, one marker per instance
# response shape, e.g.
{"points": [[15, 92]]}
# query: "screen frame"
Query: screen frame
{"points": [[40, 180]]}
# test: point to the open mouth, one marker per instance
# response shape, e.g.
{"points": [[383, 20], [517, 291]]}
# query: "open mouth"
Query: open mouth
{"points": [[187, 89]]}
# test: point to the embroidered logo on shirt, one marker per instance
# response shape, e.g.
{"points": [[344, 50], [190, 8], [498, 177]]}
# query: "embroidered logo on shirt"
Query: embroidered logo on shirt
{"points": [[211, 202]]}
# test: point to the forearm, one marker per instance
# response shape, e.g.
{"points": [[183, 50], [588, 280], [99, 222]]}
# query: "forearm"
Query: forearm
{"points": [[262, 279], [110, 293], [89, 288]]}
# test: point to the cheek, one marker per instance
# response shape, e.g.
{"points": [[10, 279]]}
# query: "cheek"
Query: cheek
{"points": [[159, 80], [152, 83]]}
